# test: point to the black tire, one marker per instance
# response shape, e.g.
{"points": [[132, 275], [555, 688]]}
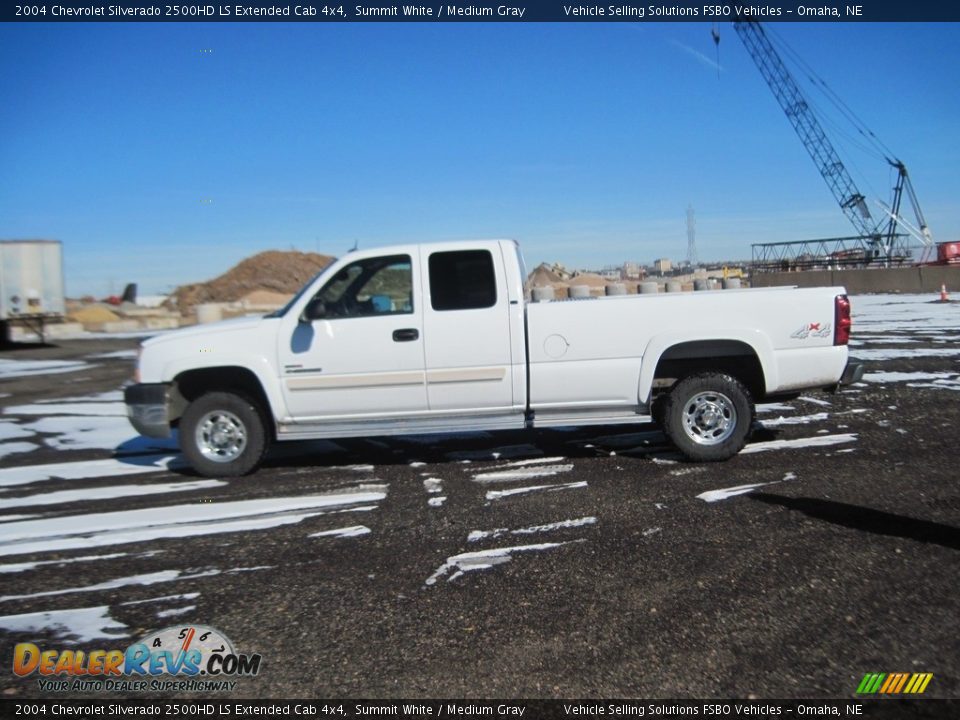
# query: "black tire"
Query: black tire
{"points": [[223, 435], [708, 416]]}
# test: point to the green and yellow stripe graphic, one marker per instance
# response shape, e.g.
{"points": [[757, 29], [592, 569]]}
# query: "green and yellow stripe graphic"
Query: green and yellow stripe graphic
{"points": [[894, 683]]}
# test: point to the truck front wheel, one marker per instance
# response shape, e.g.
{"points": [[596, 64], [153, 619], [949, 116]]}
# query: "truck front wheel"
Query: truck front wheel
{"points": [[708, 416], [223, 435]]}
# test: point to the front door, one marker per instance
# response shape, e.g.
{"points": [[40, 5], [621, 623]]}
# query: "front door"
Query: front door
{"points": [[359, 351]]}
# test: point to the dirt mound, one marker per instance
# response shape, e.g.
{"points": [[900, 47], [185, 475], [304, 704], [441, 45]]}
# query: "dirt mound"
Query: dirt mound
{"points": [[591, 279], [542, 276], [273, 271], [93, 314], [265, 299]]}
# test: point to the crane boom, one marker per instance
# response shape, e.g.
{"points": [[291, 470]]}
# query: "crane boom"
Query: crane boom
{"points": [[805, 122]]}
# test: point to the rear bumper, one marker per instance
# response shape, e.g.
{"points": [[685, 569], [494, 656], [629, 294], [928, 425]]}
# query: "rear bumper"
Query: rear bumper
{"points": [[147, 409], [852, 373]]}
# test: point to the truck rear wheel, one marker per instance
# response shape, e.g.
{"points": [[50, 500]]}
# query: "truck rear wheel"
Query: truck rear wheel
{"points": [[708, 416], [223, 435]]}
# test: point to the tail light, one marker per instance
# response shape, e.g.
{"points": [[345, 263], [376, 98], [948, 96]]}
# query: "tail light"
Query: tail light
{"points": [[843, 323]]}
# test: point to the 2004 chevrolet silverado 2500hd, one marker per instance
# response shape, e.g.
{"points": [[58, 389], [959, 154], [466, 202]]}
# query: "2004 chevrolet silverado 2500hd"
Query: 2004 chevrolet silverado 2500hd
{"points": [[439, 338]]}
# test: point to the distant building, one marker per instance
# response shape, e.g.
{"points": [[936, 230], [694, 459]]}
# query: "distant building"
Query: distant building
{"points": [[632, 271], [662, 266]]}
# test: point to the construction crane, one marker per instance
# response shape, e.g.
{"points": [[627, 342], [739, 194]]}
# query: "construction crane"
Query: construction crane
{"points": [[882, 235]]}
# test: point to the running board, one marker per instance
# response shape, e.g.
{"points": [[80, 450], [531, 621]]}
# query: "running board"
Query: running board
{"points": [[575, 419], [406, 426]]}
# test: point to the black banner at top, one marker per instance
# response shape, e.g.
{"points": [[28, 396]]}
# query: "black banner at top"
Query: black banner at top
{"points": [[478, 11]]}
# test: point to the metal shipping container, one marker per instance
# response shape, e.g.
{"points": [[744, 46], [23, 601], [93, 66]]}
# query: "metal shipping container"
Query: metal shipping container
{"points": [[31, 279]]}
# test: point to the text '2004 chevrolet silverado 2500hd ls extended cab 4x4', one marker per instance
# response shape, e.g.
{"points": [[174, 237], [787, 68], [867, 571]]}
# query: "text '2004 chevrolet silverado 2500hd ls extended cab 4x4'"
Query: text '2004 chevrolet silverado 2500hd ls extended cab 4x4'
{"points": [[440, 338]]}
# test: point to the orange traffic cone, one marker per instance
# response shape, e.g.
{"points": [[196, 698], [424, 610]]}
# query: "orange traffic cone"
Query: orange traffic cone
{"points": [[943, 293]]}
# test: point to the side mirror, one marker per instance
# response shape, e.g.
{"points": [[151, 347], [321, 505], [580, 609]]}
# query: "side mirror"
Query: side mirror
{"points": [[314, 310]]}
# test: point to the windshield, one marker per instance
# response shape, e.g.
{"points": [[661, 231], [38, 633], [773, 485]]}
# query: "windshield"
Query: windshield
{"points": [[293, 301]]}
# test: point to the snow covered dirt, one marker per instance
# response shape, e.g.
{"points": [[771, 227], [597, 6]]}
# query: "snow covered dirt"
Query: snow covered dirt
{"points": [[587, 563]]}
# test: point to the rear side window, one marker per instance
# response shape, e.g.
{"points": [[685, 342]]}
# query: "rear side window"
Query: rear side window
{"points": [[462, 280]]}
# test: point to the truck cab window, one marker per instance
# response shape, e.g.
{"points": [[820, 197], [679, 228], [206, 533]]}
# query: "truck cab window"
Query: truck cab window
{"points": [[462, 280], [373, 286]]}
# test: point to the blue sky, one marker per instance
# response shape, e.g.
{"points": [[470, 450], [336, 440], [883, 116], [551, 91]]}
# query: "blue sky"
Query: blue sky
{"points": [[165, 153]]}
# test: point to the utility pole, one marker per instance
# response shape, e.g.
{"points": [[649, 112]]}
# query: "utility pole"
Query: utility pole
{"points": [[692, 260]]}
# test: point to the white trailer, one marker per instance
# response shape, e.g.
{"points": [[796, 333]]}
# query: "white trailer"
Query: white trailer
{"points": [[31, 284]]}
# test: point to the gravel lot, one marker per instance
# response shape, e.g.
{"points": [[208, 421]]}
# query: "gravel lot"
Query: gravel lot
{"points": [[588, 563]]}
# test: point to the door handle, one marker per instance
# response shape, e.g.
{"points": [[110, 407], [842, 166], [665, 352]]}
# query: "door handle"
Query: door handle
{"points": [[406, 335]]}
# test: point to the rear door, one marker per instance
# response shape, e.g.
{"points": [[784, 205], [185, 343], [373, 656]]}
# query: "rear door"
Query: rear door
{"points": [[467, 341]]}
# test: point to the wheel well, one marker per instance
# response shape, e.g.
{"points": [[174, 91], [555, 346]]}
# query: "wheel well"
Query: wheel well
{"points": [[728, 356], [191, 384]]}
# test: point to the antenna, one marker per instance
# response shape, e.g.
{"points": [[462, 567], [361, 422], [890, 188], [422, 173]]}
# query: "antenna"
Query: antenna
{"points": [[691, 238]]}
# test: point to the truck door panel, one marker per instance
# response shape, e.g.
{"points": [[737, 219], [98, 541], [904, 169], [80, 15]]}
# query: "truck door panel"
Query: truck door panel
{"points": [[466, 331], [362, 352]]}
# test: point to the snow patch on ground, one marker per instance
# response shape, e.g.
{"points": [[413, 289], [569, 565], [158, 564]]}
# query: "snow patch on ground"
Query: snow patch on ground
{"points": [[463, 563], [26, 368], [94, 433], [163, 598], [819, 441], [13, 431], [73, 626], [115, 396], [90, 409], [85, 469], [794, 420], [175, 612], [498, 494], [712, 496], [875, 314], [525, 473], [889, 377], [144, 579], [433, 485], [115, 355], [344, 532], [176, 521], [12, 448], [109, 493], [476, 535], [531, 461], [774, 407], [815, 401], [896, 354], [21, 567]]}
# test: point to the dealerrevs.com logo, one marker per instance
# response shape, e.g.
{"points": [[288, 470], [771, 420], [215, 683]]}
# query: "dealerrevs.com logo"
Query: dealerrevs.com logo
{"points": [[181, 658]]}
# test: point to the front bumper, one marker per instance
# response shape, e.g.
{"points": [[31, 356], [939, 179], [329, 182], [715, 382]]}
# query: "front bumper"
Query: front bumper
{"points": [[852, 373], [147, 409]]}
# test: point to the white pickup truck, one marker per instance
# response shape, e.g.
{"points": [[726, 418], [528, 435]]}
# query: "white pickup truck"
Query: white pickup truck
{"points": [[440, 338]]}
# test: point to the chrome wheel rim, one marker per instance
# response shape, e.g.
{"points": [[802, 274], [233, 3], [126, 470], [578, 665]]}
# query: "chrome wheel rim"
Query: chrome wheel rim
{"points": [[221, 436], [709, 418]]}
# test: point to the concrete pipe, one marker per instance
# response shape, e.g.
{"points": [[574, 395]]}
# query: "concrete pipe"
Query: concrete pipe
{"points": [[209, 312], [542, 294]]}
